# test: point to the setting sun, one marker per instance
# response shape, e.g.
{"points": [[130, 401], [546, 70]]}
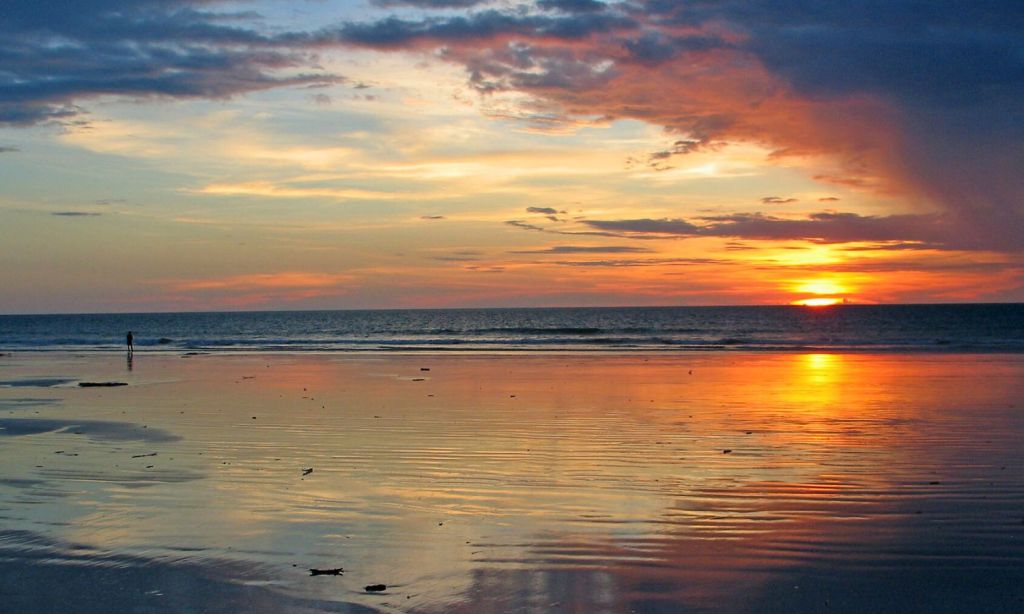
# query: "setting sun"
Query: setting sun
{"points": [[818, 302]]}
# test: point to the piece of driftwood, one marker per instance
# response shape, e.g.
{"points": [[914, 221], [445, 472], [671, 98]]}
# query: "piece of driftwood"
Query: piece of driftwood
{"points": [[338, 571]]}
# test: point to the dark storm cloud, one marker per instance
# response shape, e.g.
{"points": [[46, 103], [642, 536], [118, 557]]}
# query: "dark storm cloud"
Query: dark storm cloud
{"points": [[939, 52]]}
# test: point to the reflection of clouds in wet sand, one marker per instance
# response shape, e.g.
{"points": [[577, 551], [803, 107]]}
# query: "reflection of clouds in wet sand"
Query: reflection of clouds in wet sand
{"points": [[26, 403], [564, 482], [38, 574], [35, 382], [103, 431]]}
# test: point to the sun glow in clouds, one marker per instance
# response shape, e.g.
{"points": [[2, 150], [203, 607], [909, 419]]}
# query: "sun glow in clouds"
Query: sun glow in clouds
{"points": [[820, 286]]}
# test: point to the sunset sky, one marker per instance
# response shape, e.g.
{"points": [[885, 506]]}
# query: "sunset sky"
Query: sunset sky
{"points": [[162, 155]]}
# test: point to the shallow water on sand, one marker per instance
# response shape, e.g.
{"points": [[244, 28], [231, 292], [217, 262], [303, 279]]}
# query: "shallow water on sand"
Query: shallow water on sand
{"points": [[712, 482]]}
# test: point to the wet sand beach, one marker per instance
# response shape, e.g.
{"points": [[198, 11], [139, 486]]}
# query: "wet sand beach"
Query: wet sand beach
{"points": [[732, 482]]}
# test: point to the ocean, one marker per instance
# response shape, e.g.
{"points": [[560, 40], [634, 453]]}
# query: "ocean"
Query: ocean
{"points": [[840, 328]]}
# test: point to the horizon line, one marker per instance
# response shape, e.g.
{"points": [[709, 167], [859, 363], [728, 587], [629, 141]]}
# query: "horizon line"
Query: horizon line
{"points": [[497, 308]]}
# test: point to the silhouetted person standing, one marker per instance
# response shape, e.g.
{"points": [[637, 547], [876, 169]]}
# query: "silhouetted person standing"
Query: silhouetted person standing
{"points": [[130, 338]]}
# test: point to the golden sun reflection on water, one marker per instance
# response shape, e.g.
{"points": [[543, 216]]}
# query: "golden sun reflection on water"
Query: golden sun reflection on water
{"points": [[821, 369]]}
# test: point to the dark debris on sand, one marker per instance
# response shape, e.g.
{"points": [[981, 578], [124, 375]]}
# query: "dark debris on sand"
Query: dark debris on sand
{"points": [[101, 384], [337, 571], [376, 588]]}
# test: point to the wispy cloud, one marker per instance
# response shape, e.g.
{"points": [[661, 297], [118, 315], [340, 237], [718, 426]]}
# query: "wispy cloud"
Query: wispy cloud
{"points": [[286, 280], [823, 227], [460, 256], [429, 4], [585, 249], [273, 190], [646, 262]]}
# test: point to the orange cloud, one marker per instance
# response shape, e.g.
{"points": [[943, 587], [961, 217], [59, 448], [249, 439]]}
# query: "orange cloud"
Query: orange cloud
{"points": [[263, 281], [250, 290]]}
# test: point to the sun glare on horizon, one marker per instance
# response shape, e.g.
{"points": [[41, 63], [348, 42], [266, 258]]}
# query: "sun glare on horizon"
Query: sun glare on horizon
{"points": [[819, 301]]}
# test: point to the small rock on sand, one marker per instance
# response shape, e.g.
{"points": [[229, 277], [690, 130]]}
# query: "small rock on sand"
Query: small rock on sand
{"points": [[101, 384], [376, 588]]}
